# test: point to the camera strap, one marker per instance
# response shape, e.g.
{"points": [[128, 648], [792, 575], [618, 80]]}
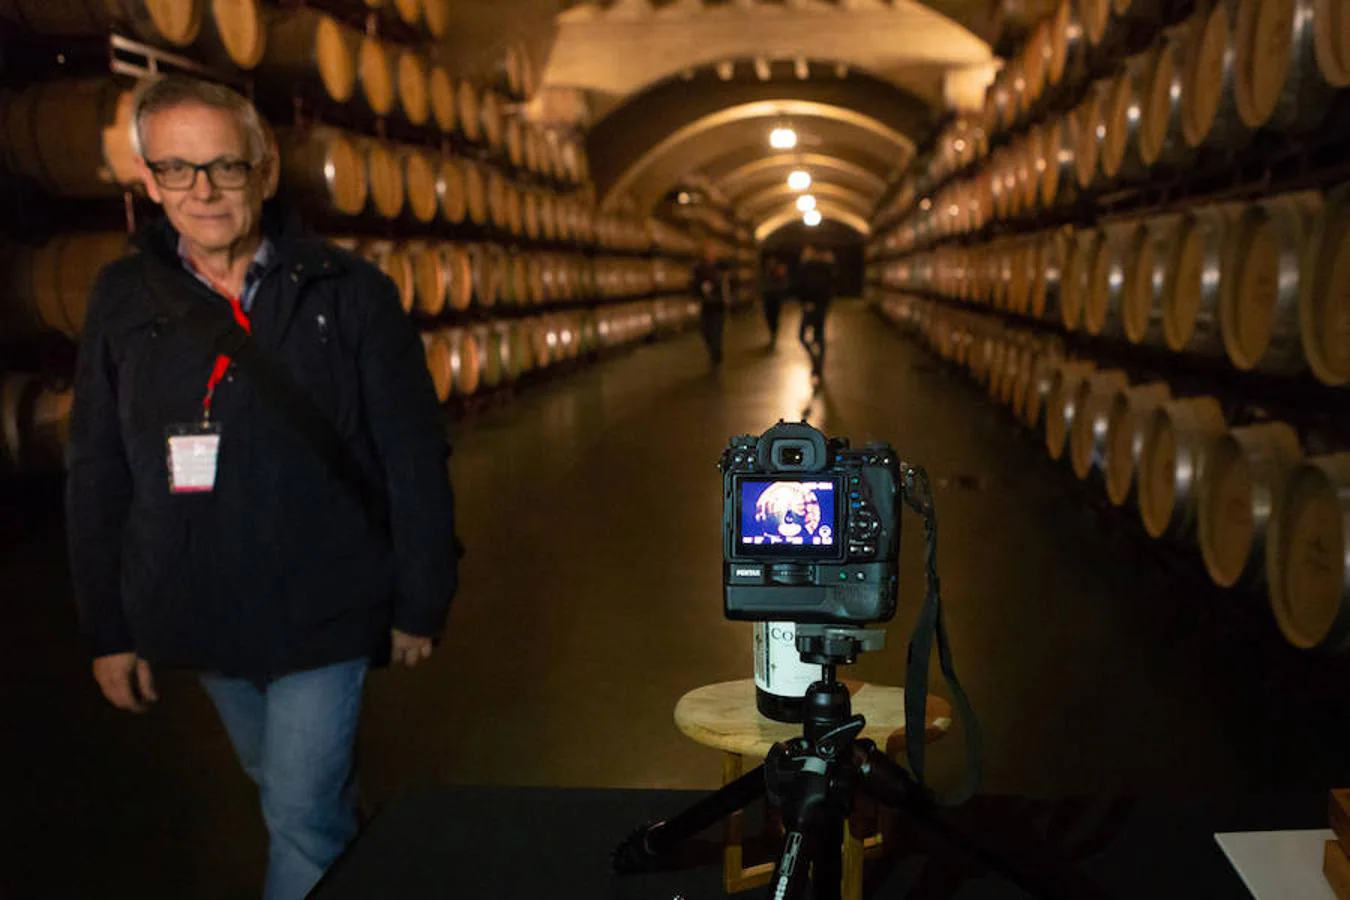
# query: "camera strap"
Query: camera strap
{"points": [[918, 496]]}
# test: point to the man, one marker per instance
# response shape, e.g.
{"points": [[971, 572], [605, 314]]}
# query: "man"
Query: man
{"points": [[258, 487], [710, 283], [815, 289], [776, 287]]}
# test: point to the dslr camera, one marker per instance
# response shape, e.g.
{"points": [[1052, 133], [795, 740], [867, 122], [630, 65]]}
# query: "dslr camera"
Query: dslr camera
{"points": [[811, 528]]}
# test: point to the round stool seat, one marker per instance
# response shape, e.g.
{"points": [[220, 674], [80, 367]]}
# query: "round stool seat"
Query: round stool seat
{"points": [[724, 716]]}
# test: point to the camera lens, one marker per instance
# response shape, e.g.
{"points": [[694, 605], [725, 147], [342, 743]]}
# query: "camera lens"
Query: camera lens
{"points": [[790, 456]]}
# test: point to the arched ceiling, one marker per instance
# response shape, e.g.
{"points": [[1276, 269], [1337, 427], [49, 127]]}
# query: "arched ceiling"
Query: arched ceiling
{"points": [[828, 211], [683, 93], [627, 45], [688, 149]]}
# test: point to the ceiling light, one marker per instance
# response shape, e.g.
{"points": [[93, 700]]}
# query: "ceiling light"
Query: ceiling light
{"points": [[782, 139], [806, 203], [799, 180], [812, 218], [684, 197]]}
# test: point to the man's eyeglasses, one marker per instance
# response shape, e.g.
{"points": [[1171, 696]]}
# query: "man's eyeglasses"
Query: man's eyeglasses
{"points": [[222, 173]]}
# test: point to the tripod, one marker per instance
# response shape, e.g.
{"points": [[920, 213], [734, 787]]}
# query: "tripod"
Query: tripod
{"points": [[812, 780]]}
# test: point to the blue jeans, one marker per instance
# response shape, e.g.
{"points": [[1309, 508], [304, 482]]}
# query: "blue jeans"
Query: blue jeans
{"points": [[295, 736]]}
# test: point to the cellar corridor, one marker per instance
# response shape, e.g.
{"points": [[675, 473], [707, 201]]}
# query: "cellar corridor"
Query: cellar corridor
{"points": [[590, 602]]}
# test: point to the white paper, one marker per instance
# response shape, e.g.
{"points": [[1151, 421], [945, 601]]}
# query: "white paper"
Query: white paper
{"points": [[1280, 865]]}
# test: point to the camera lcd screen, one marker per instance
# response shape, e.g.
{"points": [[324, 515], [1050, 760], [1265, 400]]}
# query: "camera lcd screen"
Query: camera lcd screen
{"points": [[789, 517]]}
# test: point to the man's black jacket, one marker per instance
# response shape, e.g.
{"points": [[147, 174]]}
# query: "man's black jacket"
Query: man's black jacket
{"points": [[278, 569]]}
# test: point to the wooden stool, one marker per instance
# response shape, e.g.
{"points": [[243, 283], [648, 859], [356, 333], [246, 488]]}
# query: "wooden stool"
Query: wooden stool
{"points": [[724, 716]]}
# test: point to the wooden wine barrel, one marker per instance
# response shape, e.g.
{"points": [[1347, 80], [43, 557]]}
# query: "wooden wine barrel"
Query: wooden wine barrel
{"points": [[486, 277], [1126, 419], [71, 136], [470, 115], [515, 215], [1244, 480], [440, 363], [548, 215], [384, 175], [458, 268], [325, 169], [509, 71], [377, 87], [496, 199], [1259, 315], [420, 183], [409, 12], [1091, 416], [515, 143], [518, 269], [413, 88], [1105, 279], [436, 17], [1088, 123], [1096, 18], [304, 46], [451, 192], [541, 349], [1278, 83], [490, 354], [494, 127], [1122, 120], [1307, 549], [1060, 403], [522, 353], [394, 262], [173, 22], [512, 365], [1056, 166], [1038, 389], [1161, 137], [1324, 304], [429, 277], [1068, 45], [469, 371], [1177, 439], [1035, 59], [1146, 269], [475, 192], [34, 424], [1209, 105], [441, 99], [538, 290], [1201, 270], [533, 149], [234, 33], [46, 287], [1054, 251], [530, 212]]}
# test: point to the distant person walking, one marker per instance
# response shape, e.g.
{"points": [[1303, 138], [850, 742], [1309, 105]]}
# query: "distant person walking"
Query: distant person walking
{"points": [[815, 289], [710, 284], [777, 287]]}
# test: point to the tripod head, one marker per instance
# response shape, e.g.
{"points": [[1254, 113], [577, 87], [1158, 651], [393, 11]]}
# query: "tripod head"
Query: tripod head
{"points": [[836, 645]]}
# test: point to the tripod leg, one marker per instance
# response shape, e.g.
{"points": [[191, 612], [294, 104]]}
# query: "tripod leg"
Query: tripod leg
{"points": [[640, 850]]}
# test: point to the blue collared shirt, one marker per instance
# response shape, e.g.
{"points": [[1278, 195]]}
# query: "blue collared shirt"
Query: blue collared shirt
{"points": [[252, 278]]}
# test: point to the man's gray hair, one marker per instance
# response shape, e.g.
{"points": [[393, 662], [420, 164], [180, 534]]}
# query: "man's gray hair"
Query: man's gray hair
{"points": [[158, 94]]}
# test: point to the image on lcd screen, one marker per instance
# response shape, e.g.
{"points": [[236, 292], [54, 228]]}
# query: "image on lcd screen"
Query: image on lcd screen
{"points": [[787, 513]]}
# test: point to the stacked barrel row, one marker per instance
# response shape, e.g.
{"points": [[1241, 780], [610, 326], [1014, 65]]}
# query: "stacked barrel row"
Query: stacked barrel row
{"points": [[1053, 132], [308, 53], [466, 360], [1261, 512], [1266, 282]]}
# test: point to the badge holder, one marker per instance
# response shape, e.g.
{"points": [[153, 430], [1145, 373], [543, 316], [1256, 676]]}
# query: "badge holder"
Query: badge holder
{"points": [[193, 451]]}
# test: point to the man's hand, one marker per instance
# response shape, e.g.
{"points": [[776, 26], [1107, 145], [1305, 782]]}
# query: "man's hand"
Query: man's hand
{"points": [[126, 681], [409, 649]]}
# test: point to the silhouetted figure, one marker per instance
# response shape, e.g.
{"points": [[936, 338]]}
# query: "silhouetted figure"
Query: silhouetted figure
{"points": [[815, 288], [711, 285], [777, 287]]}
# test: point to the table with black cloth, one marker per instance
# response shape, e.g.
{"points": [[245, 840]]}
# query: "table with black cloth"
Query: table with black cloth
{"points": [[506, 842]]}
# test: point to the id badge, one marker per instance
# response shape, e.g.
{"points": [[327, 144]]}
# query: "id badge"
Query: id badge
{"points": [[193, 452]]}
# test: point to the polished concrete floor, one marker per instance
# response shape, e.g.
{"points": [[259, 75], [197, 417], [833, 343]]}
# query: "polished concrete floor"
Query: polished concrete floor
{"points": [[591, 602]]}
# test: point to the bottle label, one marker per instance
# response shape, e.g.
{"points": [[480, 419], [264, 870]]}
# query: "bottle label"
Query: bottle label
{"points": [[779, 669]]}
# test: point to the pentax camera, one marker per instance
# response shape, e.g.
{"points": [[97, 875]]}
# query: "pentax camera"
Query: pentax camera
{"points": [[811, 528]]}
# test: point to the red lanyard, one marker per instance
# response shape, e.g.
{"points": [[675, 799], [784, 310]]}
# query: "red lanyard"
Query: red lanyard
{"points": [[222, 362]]}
